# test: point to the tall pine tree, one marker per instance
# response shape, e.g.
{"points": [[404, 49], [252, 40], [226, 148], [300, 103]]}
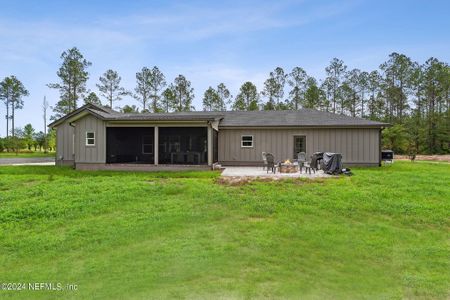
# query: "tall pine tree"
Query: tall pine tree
{"points": [[110, 88], [73, 76]]}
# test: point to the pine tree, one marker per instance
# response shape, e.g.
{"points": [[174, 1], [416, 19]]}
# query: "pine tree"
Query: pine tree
{"points": [[72, 86], [11, 93], [335, 76], [168, 99], [210, 98], [183, 93], [143, 87], [157, 82], [274, 89], [110, 88], [298, 81], [248, 97], [92, 98]]}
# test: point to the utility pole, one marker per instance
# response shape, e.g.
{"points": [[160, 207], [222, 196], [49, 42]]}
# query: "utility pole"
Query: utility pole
{"points": [[44, 109]]}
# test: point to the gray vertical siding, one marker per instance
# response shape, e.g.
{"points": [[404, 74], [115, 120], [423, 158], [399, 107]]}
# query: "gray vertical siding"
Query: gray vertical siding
{"points": [[358, 146], [64, 143], [90, 154]]}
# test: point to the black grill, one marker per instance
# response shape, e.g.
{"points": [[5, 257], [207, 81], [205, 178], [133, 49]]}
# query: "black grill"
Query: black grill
{"points": [[387, 155]]}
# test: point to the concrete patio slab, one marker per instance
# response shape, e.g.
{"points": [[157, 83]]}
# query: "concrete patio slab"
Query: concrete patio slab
{"points": [[259, 172]]}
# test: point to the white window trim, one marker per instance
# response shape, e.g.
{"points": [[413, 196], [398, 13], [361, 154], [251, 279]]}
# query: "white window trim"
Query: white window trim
{"points": [[242, 141], [87, 144]]}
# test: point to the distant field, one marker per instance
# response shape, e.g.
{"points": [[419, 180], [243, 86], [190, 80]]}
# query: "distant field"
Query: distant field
{"points": [[26, 154], [381, 234]]}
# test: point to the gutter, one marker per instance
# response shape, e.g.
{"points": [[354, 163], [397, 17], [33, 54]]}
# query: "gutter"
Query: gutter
{"points": [[306, 127], [380, 146]]}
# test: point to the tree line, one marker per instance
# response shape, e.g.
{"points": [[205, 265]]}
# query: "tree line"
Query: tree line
{"points": [[30, 139], [411, 96], [12, 92]]}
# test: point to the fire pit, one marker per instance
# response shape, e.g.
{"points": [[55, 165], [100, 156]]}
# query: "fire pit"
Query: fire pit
{"points": [[288, 167]]}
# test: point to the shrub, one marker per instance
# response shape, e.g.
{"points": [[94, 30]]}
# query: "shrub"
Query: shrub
{"points": [[14, 143]]}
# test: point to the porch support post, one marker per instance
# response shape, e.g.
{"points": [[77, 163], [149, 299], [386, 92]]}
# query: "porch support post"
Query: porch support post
{"points": [[156, 144], [210, 145]]}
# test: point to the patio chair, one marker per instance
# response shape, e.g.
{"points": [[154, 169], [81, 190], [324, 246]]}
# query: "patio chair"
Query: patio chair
{"points": [[309, 165], [271, 163], [301, 159], [314, 163], [264, 160]]}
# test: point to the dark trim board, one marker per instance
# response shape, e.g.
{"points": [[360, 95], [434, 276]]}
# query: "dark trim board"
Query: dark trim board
{"points": [[59, 162], [140, 167]]}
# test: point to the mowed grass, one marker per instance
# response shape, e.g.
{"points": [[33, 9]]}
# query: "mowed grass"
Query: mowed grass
{"points": [[381, 234], [26, 154]]}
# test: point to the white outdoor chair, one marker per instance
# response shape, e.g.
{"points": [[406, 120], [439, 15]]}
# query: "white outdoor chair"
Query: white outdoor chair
{"points": [[264, 157]]}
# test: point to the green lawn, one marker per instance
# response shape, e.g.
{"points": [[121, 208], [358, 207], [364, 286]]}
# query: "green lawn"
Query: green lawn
{"points": [[381, 234], [26, 154]]}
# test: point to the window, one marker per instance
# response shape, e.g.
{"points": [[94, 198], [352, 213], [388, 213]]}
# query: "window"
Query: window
{"points": [[247, 141], [90, 138], [147, 144], [299, 145]]}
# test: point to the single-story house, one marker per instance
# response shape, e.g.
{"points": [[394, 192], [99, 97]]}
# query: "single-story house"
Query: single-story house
{"points": [[94, 137]]}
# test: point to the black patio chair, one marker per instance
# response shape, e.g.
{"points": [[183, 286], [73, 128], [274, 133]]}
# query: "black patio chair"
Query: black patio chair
{"points": [[301, 159], [310, 165], [271, 163]]}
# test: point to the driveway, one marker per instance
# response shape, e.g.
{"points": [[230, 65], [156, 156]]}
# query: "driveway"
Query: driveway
{"points": [[20, 161]]}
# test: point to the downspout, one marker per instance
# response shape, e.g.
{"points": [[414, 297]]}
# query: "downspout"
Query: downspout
{"points": [[379, 146], [73, 144]]}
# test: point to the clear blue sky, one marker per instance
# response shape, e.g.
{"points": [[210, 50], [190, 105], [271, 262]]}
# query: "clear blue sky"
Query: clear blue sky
{"points": [[228, 41]]}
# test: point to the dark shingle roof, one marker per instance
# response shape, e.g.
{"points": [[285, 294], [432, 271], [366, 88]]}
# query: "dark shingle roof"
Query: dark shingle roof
{"points": [[181, 116], [96, 109], [279, 118], [302, 117]]}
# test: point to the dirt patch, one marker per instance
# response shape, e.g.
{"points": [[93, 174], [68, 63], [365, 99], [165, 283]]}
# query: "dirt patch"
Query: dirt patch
{"points": [[445, 157], [233, 181], [243, 180]]}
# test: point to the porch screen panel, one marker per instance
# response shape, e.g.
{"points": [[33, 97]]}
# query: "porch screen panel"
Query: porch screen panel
{"points": [[183, 145], [130, 145]]}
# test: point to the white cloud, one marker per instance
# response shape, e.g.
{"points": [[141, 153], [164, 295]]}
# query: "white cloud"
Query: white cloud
{"points": [[31, 48]]}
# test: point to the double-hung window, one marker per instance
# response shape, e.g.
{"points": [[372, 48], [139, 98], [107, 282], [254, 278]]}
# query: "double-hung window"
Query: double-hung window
{"points": [[247, 141], [90, 138]]}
